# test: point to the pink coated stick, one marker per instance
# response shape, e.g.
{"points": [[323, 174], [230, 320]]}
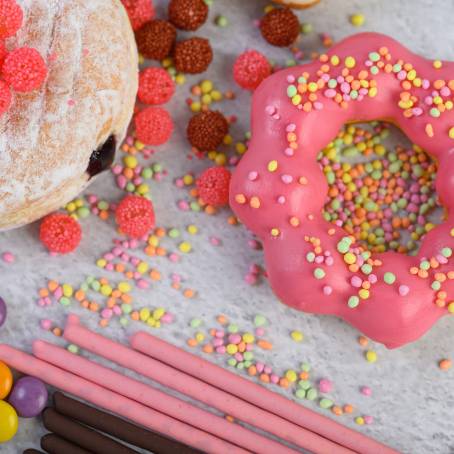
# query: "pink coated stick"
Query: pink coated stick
{"points": [[192, 387], [115, 403], [156, 400], [255, 394]]}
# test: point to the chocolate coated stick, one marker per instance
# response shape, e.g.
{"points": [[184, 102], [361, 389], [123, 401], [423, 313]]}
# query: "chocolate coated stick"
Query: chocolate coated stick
{"points": [[53, 444], [118, 428], [82, 436]]}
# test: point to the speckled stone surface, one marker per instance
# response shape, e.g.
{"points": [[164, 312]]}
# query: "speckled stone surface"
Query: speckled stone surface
{"points": [[412, 402]]}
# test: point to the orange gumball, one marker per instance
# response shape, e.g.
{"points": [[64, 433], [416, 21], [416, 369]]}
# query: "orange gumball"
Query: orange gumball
{"points": [[6, 380]]}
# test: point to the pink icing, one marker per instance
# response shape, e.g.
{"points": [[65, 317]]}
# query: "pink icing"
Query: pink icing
{"points": [[290, 189]]}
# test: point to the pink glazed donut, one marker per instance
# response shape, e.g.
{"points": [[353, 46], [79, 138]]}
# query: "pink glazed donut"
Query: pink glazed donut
{"points": [[278, 190]]}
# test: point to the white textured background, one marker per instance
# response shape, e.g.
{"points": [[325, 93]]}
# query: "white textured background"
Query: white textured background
{"points": [[412, 400]]}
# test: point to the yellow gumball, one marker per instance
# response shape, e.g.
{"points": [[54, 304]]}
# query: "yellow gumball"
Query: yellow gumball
{"points": [[8, 422]]}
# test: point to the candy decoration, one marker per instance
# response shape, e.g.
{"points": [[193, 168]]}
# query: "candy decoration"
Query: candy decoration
{"points": [[6, 380], [60, 233], [28, 397], [139, 12], [11, 17], [193, 55], [3, 311], [280, 27], [206, 130], [155, 86], [8, 422], [154, 126], [188, 14], [213, 186], [24, 69], [135, 216], [156, 39], [250, 68]]}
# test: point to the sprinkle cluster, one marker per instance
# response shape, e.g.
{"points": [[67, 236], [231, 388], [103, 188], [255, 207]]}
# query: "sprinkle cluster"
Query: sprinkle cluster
{"points": [[387, 202], [341, 80], [244, 350]]}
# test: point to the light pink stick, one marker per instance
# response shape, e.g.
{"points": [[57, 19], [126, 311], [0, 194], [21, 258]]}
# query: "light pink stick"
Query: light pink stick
{"points": [[255, 394], [115, 403], [192, 387], [157, 400]]}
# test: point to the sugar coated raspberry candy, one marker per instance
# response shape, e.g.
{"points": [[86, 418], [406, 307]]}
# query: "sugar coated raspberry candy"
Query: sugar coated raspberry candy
{"points": [[139, 11], [250, 68], [193, 55], [213, 186], [24, 69], [280, 27], [155, 86], [156, 39], [206, 130], [154, 126], [11, 17], [188, 14], [5, 97], [60, 233], [135, 216]]}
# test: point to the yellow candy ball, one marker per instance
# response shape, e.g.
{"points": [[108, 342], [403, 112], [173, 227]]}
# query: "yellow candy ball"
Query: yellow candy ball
{"points": [[185, 247], [142, 267], [8, 422], [192, 229], [206, 99], [232, 349], [357, 19], [144, 314], [180, 79], [196, 106], [216, 95], [297, 336], [71, 207], [371, 356], [220, 159], [206, 86], [350, 62], [158, 313], [228, 139], [130, 162], [291, 376], [106, 290], [124, 287], [248, 338]]}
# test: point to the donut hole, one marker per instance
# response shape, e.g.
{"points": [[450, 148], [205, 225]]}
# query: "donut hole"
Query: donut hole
{"points": [[381, 187], [102, 158]]}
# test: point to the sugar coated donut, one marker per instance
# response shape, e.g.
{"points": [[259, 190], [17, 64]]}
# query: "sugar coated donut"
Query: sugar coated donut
{"points": [[69, 111], [278, 190]]}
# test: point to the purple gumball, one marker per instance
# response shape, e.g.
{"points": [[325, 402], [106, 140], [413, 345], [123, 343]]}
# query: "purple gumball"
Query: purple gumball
{"points": [[2, 311], [28, 397]]}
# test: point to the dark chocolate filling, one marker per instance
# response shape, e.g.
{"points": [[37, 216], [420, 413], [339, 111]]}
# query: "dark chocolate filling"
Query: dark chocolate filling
{"points": [[102, 158]]}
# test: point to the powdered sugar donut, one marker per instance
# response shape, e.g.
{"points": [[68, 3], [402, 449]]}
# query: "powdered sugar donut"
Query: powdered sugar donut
{"points": [[54, 139], [278, 190]]}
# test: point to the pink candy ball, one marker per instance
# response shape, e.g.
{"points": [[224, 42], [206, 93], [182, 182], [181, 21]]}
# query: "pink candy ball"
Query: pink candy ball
{"points": [[250, 69], [325, 385]]}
